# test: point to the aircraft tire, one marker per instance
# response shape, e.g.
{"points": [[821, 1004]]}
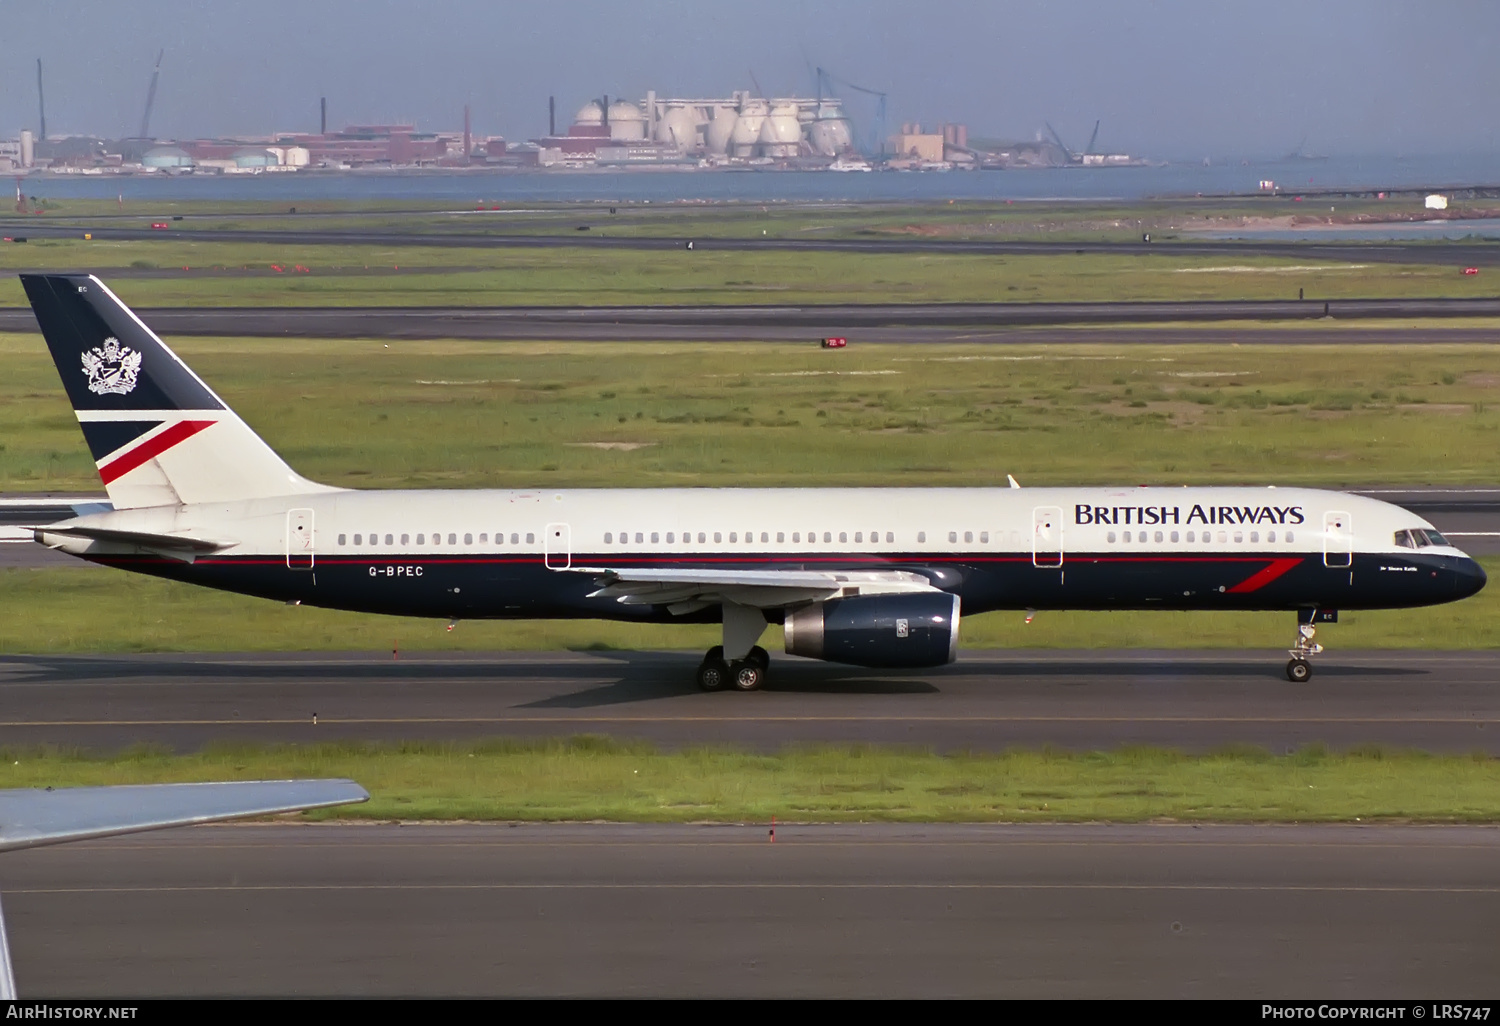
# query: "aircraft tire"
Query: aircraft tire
{"points": [[713, 674], [746, 676], [760, 657], [1298, 671]]}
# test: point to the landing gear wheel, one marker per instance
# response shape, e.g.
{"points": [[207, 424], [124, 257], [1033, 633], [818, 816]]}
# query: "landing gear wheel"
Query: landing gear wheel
{"points": [[759, 656], [713, 674], [1298, 671], [746, 676]]}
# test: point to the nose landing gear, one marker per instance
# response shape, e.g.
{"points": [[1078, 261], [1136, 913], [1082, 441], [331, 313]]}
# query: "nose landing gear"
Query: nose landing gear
{"points": [[1299, 669]]}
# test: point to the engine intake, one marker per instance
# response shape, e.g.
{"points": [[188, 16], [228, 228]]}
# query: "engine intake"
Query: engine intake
{"points": [[877, 630]]}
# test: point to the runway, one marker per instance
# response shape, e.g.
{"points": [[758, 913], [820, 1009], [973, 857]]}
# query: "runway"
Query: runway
{"points": [[589, 230], [1295, 322], [987, 701], [874, 911]]}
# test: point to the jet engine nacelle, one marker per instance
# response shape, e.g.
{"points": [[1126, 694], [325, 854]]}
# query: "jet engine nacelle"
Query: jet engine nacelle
{"points": [[877, 630]]}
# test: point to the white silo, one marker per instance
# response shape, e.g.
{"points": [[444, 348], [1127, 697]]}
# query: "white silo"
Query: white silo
{"points": [[830, 134], [720, 129], [589, 114], [781, 132], [679, 127], [747, 128], [626, 121]]}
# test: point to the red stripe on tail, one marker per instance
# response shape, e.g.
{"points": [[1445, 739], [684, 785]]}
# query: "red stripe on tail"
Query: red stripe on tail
{"points": [[152, 448], [1260, 579]]}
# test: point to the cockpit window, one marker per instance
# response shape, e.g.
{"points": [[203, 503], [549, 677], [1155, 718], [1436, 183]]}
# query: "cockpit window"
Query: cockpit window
{"points": [[1420, 539], [1433, 537], [1404, 539]]}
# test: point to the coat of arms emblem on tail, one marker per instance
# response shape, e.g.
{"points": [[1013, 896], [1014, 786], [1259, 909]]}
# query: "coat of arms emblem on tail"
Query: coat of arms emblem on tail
{"points": [[112, 368]]}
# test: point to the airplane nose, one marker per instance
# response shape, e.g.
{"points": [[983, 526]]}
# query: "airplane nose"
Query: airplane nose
{"points": [[1468, 577]]}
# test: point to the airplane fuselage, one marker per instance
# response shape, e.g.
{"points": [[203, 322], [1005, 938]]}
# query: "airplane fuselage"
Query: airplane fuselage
{"points": [[523, 553]]}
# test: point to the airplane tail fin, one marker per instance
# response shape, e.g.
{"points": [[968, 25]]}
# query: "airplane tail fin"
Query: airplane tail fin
{"points": [[159, 435]]}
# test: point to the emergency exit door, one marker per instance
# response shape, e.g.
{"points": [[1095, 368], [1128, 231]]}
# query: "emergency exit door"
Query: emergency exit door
{"points": [[299, 539]]}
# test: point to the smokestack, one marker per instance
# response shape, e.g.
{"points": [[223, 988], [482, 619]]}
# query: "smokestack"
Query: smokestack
{"points": [[551, 115], [41, 102], [468, 139], [606, 110], [323, 116]]}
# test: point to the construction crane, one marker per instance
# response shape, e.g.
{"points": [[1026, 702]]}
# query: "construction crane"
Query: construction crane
{"points": [[877, 142], [1073, 158], [41, 101], [1093, 139], [151, 97]]}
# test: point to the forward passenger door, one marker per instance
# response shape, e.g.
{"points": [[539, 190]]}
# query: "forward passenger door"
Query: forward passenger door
{"points": [[1046, 536]]}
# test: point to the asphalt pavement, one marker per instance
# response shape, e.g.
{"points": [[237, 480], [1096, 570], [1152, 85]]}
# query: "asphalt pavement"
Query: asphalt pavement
{"points": [[1296, 322], [989, 700], [870, 911]]}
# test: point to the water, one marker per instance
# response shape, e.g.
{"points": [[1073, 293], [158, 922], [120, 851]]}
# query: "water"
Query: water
{"points": [[467, 188]]}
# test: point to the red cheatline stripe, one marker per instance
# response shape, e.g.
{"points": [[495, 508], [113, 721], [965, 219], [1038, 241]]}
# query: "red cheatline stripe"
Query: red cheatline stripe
{"points": [[1260, 579], [152, 448]]}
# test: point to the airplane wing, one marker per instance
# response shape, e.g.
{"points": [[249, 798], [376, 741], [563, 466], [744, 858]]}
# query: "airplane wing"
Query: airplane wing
{"points": [[179, 546], [31, 817], [687, 591]]}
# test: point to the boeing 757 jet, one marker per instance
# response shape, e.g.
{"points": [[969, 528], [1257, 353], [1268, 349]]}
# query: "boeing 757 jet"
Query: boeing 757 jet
{"points": [[869, 576]]}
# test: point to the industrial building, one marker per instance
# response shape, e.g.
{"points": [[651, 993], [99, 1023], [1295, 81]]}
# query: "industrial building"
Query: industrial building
{"points": [[739, 127]]}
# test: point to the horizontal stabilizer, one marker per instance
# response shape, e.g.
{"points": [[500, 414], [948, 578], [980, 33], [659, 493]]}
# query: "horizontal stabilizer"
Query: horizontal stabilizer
{"points": [[32, 817], [159, 542]]}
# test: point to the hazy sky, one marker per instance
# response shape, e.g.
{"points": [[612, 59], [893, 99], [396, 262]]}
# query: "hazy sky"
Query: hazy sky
{"points": [[1171, 78]]}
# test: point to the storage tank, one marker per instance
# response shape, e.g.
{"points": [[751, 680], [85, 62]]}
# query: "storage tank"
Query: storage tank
{"points": [[781, 132], [678, 126], [746, 136], [626, 121], [830, 133], [720, 129]]}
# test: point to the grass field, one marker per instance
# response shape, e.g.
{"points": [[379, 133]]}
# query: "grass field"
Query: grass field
{"points": [[184, 273], [470, 414], [593, 779], [75, 609]]}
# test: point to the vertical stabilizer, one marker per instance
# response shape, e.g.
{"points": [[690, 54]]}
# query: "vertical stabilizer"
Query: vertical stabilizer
{"points": [[159, 435]]}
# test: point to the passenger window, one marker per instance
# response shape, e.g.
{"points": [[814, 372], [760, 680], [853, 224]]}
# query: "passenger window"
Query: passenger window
{"points": [[390, 540], [406, 539], [608, 537], [468, 539], [1290, 537], [1191, 536], [1270, 536], [483, 537], [718, 537], [639, 538], [1127, 535], [530, 538], [764, 536], [828, 536], [671, 537], [889, 536], [859, 536], [844, 537], [1110, 537], [1158, 536], [374, 539], [1174, 537], [1254, 537], [515, 539], [342, 539], [655, 538], [921, 536], [796, 536], [700, 537], [984, 537], [969, 536], [734, 536], [953, 536], [453, 539], [781, 536]]}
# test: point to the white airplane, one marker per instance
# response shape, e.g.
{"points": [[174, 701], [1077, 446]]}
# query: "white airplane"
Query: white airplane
{"points": [[869, 576], [33, 817]]}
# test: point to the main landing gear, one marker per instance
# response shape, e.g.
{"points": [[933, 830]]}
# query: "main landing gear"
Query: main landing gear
{"points": [[1299, 669], [747, 674], [745, 670]]}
